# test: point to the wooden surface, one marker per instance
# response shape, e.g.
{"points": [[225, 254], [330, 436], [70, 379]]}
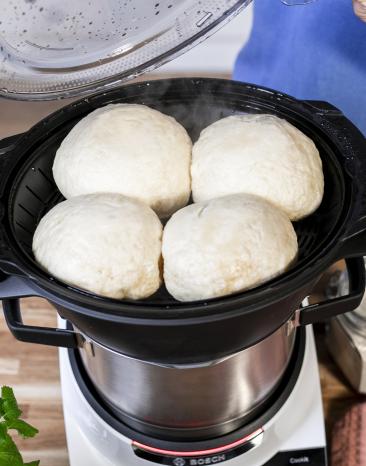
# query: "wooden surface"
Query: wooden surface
{"points": [[33, 372]]}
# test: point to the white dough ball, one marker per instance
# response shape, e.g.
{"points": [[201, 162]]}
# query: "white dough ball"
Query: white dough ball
{"points": [[128, 149], [108, 244], [262, 155], [226, 245]]}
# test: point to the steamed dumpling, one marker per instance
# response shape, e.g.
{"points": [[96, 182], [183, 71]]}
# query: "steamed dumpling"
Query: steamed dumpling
{"points": [[108, 244], [128, 149], [261, 155], [226, 245]]}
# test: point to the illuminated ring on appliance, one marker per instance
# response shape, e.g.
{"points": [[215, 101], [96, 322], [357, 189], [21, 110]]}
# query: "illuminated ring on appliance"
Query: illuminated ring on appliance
{"points": [[258, 433]]}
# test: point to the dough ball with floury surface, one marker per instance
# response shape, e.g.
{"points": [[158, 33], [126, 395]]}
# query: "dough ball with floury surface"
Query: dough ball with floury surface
{"points": [[129, 149], [226, 245], [261, 155], [108, 244]]}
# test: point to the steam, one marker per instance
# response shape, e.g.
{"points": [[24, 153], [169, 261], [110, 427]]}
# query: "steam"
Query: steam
{"points": [[193, 102]]}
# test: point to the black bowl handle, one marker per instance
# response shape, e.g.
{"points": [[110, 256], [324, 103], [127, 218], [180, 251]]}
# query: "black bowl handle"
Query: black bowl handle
{"points": [[333, 307], [33, 334], [11, 289]]}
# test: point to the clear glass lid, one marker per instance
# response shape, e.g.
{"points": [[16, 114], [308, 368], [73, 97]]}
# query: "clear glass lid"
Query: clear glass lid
{"points": [[60, 48]]}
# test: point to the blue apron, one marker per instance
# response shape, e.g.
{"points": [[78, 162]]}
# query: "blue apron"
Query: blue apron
{"points": [[316, 52]]}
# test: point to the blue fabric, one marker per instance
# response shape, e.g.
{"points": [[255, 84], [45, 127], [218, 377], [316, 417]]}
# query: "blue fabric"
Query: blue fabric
{"points": [[315, 51]]}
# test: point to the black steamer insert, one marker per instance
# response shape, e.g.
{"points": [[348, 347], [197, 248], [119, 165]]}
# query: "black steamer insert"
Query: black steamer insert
{"points": [[175, 332]]}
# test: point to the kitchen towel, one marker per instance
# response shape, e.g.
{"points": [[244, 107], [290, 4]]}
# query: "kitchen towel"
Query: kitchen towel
{"points": [[348, 446]]}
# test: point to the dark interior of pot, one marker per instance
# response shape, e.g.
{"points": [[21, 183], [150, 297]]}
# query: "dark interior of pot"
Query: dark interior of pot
{"points": [[34, 192]]}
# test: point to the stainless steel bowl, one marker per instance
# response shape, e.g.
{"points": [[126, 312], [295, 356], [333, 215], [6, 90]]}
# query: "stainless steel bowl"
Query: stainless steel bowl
{"points": [[210, 398]]}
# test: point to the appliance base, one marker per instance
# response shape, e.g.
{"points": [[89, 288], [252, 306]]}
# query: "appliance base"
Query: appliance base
{"points": [[294, 436]]}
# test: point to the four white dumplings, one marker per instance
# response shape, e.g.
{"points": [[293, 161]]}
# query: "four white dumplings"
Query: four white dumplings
{"points": [[111, 244]]}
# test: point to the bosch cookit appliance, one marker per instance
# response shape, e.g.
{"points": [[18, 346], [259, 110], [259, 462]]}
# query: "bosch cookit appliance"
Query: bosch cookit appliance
{"points": [[230, 380]]}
